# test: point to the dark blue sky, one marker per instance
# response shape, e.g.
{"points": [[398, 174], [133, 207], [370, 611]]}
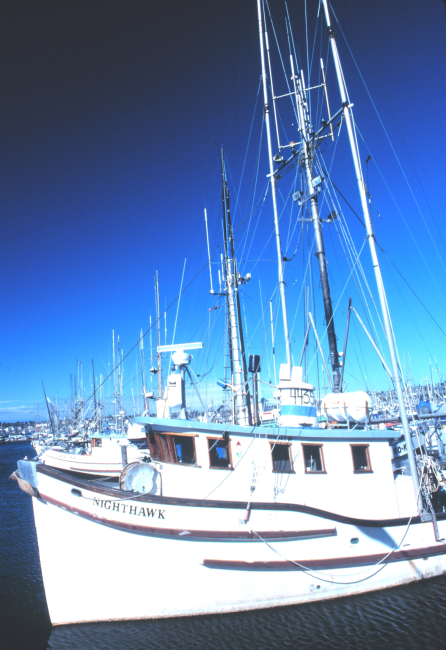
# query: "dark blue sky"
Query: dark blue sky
{"points": [[112, 118]]}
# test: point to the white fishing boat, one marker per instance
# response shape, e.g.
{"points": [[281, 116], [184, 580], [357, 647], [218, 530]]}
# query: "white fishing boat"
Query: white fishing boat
{"points": [[101, 455], [237, 516]]}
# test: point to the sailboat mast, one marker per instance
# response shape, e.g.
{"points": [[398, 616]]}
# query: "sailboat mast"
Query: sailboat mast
{"points": [[143, 370], [378, 276], [307, 162], [158, 336], [234, 313], [94, 393], [262, 34]]}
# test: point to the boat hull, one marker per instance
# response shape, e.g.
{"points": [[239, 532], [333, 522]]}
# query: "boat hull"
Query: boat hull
{"points": [[186, 558]]}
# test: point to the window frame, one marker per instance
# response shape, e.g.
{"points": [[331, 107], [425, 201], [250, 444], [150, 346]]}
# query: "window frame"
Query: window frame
{"points": [[369, 469], [321, 452], [214, 438], [170, 441], [283, 444]]}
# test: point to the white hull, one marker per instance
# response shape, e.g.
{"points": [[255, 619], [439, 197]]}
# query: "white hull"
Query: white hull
{"points": [[95, 463], [142, 566]]}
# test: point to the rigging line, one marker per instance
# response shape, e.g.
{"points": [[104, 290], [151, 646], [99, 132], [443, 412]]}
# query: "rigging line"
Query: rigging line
{"points": [[351, 246], [340, 193], [251, 240], [178, 309], [405, 281], [413, 320], [358, 274], [343, 225], [296, 58], [404, 220], [351, 575], [357, 358], [308, 58], [314, 40], [280, 56], [372, 60], [247, 145], [289, 236], [337, 305], [254, 183], [302, 289], [392, 147]]}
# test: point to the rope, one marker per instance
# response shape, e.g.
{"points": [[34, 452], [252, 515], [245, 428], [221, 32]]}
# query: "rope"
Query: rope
{"points": [[311, 572]]}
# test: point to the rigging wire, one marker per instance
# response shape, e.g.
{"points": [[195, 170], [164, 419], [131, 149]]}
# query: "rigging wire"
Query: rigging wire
{"points": [[391, 145]]}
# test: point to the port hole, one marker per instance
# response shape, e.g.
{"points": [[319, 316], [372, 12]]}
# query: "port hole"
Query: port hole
{"points": [[354, 540], [76, 493]]}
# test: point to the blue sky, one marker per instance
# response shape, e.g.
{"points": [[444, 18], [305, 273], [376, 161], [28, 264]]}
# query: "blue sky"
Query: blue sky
{"points": [[112, 119]]}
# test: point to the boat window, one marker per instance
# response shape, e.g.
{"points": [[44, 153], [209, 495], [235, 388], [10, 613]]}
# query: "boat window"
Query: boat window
{"points": [[185, 449], [171, 448], [361, 458], [219, 453], [313, 459], [281, 454]]}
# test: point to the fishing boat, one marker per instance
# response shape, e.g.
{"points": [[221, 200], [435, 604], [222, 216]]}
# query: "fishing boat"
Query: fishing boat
{"points": [[102, 455], [225, 517]]}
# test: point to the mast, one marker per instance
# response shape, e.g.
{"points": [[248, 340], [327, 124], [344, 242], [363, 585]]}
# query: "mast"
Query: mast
{"points": [[114, 381], [143, 370], [158, 336], [378, 277], [94, 393], [238, 362], [307, 162], [263, 34]]}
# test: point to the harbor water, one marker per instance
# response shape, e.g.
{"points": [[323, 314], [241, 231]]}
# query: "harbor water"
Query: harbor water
{"points": [[406, 617]]}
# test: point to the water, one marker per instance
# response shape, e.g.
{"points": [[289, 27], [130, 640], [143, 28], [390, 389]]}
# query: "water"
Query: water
{"points": [[399, 619]]}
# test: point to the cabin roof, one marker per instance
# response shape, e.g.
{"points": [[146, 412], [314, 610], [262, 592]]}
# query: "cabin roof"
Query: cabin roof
{"points": [[291, 433]]}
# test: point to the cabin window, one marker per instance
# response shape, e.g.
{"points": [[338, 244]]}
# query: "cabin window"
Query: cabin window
{"points": [[361, 458], [281, 455], [171, 448], [96, 442], [313, 459], [219, 453]]}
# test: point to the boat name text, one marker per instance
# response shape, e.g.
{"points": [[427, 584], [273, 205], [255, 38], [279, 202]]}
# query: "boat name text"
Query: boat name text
{"points": [[139, 511]]}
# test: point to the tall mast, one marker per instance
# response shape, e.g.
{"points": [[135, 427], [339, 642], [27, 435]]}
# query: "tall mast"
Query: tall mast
{"points": [[114, 380], [234, 313], [273, 187], [158, 336], [307, 162], [378, 277], [94, 392], [119, 376], [143, 370]]}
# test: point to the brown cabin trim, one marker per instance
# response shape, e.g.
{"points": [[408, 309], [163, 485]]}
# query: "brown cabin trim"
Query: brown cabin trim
{"points": [[231, 465], [275, 443], [320, 445], [329, 563], [367, 451], [103, 489]]}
